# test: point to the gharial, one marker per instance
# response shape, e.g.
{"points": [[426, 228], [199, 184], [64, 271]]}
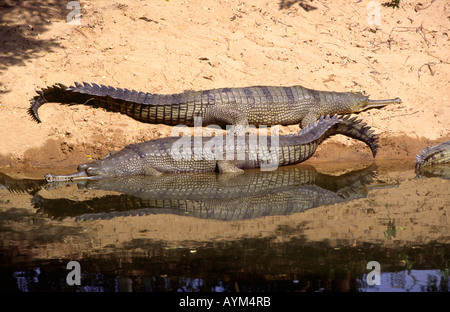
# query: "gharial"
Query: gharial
{"points": [[257, 105], [177, 154]]}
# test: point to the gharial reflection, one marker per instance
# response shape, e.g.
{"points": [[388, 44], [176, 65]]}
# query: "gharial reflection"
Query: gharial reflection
{"points": [[251, 194]]}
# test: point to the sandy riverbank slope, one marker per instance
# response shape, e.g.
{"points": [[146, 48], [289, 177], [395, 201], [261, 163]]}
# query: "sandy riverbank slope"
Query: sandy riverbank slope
{"points": [[171, 46]]}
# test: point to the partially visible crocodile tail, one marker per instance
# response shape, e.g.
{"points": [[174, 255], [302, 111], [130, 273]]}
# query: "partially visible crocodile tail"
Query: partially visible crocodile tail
{"points": [[434, 155]]}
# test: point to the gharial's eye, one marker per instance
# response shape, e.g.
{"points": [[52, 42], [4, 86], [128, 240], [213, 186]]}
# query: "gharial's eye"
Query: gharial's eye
{"points": [[82, 167], [92, 171]]}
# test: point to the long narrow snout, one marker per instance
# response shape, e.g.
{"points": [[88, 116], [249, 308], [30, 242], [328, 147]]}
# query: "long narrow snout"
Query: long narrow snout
{"points": [[86, 171], [64, 178], [379, 103]]}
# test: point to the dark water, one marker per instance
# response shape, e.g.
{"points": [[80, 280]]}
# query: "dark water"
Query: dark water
{"points": [[43, 227], [246, 265]]}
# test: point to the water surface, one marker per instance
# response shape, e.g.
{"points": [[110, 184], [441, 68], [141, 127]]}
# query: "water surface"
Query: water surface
{"points": [[300, 228]]}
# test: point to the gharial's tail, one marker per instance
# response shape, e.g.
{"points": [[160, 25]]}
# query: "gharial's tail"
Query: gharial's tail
{"points": [[56, 93], [126, 101], [53, 92], [356, 129]]}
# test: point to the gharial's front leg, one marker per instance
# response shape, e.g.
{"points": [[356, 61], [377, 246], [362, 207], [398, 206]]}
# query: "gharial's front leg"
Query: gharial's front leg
{"points": [[228, 166], [150, 171]]}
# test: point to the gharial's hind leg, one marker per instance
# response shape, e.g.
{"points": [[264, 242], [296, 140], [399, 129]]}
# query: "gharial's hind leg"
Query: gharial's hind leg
{"points": [[309, 118], [228, 116]]}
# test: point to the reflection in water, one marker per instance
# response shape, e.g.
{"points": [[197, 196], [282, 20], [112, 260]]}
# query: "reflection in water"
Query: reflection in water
{"points": [[261, 263], [410, 281], [439, 171], [223, 197]]}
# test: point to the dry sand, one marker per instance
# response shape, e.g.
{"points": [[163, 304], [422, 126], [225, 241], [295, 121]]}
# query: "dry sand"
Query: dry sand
{"points": [[171, 46]]}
